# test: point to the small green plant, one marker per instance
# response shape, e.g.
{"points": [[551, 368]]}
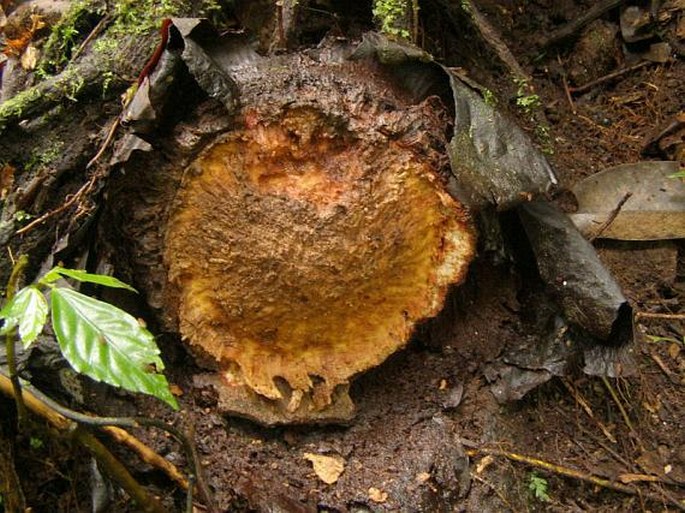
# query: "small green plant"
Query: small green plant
{"points": [[678, 174], [96, 338], [525, 99], [65, 35], [35, 443], [670, 340], [489, 98], [392, 15], [538, 486], [21, 216]]}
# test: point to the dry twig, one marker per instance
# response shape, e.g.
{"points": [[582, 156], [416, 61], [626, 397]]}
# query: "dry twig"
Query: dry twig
{"points": [[611, 217], [575, 474], [147, 454], [618, 402], [85, 188], [660, 316], [586, 408], [606, 78]]}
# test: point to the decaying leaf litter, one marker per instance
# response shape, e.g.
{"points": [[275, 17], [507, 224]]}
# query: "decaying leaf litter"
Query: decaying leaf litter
{"points": [[432, 339]]}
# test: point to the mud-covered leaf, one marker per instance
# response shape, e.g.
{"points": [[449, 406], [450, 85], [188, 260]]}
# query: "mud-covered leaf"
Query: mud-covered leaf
{"points": [[326, 468], [107, 344], [212, 78], [83, 276], [493, 160], [28, 312], [653, 210], [569, 265]]}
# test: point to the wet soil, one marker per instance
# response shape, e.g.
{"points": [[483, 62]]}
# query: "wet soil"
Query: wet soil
{"points": [[424, 414]]}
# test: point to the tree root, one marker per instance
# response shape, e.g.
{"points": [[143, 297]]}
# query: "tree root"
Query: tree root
{"points": [[108, 424], [104, 457], [147, 454]]}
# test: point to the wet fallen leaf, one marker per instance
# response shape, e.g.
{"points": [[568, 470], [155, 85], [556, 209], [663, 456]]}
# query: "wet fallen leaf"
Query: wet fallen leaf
{"points": [[654, 210], [674, 350], [377, 495], [326, 468]]}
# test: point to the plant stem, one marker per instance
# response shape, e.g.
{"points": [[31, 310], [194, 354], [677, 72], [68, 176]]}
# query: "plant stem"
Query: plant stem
{"points": [[10, 339], [196, 476]]}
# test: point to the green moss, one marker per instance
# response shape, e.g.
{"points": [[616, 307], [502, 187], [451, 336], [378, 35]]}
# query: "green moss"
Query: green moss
{"points": [[45, 155], [129, 18], [393, 17], [16, 106], [66, 34], [137, 18], [142, 16]]}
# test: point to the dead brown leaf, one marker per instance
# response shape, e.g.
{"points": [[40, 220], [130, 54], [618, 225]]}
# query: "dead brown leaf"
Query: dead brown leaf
{"points": [[6, 180], [422, 477], [29, 59], [674, 350], [326, 468], [634, 478], [377, 495]]}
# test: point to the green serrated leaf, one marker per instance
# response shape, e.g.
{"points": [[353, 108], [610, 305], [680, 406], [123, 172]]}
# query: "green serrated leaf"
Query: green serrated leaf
{"points": [[28, 311], [107, 344], [32, 307], [538, 485], [99, 279]]}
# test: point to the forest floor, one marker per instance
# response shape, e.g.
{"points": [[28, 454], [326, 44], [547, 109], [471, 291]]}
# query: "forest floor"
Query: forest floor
{"points": [[429, 434]]}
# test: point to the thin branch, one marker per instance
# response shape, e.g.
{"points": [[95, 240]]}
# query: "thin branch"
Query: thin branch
{"points": [[71, 201], [105, 144], [586, 408], [133, 422], [618, 402], [660, 316], [148, 455], [105, 459], [606, 78], [492, 37], [576, 25], [97, 30]]}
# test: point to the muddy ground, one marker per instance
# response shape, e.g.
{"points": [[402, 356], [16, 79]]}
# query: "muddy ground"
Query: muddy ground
{"points": [[424, 415]]}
